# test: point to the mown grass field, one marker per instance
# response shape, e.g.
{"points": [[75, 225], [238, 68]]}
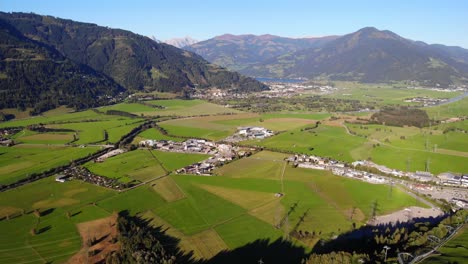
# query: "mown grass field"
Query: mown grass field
{"points": [[411, 147], [172, 107], [455, 109], [219, 127], [384, 93], [56, 237], [93, 132], [20, 161], [138, 165], [326, 141]]}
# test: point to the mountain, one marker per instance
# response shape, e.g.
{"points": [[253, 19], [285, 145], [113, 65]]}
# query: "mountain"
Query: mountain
{"points": [[37, 76], [133, 61], [369, 55], [155, 39], [181, 42], [236, 52]]}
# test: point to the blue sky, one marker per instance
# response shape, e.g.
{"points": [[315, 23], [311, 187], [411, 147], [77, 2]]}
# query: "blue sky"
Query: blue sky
{"points": [[432, 21]]}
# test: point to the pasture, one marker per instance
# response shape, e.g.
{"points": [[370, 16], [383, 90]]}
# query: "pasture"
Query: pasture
{"points": [[326, 141], [384, 94], [20, 161], [62, 205], [139, 165], [172, 107]]}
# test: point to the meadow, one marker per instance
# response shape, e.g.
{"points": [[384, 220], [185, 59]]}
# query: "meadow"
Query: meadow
{"points": [[62, 206], [384, 94], [20, 161], [326, 141]]}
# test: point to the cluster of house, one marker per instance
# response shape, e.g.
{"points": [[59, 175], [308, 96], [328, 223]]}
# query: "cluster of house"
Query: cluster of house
{"points": [[460, 202], [426, 101], [249, 132], [5, 134], [336, 167], [450, 179], [189, 146], [220, 153], [81, 173]]}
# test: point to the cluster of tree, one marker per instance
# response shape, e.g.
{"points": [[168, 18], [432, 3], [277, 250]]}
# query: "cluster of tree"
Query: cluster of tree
{"points": [[120, 113], [337, 257], [414, 236], [402, 116], [36, 76], [43, 129], [6, 117], [139, 243], [309, 103]]}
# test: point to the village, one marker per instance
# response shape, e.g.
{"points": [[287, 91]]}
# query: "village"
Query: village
{"points": [[220, 153]]}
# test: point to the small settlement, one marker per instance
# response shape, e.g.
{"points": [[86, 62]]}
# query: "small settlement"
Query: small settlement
{"points": [[336, 167], [220, 153], [249, 132]]}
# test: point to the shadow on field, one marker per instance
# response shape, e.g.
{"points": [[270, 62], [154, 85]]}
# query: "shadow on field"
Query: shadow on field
{"points": [[75, 214], [47, 212], [362, 240], [43, 230], [261, 251]]}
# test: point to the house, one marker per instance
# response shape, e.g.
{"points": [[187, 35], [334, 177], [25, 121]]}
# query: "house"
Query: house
{"points": [[61, 178]]}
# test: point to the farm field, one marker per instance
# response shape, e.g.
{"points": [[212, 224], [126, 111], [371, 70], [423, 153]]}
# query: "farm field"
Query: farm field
{"points": [[94, 132], [19, 161], [326, 141], [172, 107], [219, 127], [62, 206], [384, 93], [138, 165], [403, 147], [455, 109]]}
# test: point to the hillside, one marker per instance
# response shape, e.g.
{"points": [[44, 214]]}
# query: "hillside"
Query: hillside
{"points": [[370, 55], [36, 76], [238, 51], [133, 61]]}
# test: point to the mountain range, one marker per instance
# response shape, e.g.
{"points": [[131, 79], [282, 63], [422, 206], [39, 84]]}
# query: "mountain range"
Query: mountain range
{"points": [[181, 42], [367, 55], [237, 52], [40, 50]]}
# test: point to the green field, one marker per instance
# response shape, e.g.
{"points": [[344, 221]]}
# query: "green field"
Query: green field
{"points": [[172, 107], [56, 236], [384, 93], [326, 141], [455, 109], [93, 132], [20, 161], [172, 161], [138, 165]]}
